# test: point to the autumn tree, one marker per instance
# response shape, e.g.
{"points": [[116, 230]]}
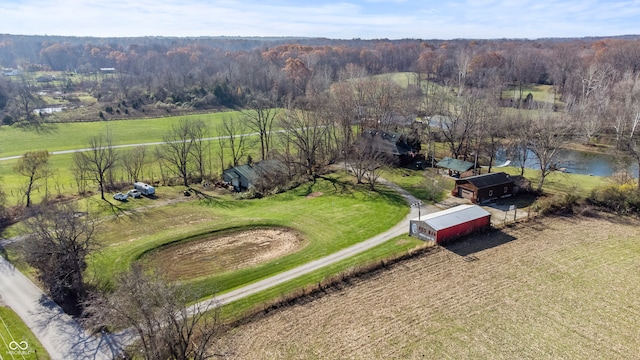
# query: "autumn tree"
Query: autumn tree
{"points": [[157, 312], [58, 243], [97, 161], [35, 166]]}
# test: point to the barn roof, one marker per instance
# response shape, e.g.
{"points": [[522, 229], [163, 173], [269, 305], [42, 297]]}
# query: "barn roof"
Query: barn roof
{"points": [[454, 164], [487, 180], [454, 216]]}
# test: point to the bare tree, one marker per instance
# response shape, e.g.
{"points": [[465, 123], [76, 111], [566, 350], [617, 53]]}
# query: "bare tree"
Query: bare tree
{"points": [[199, 131], [134, 162], [370, 156], [178, 148], [626, 114], [232, 136], [157, 313], [35, 166], [260, 117], [549, 132], [59, 241], [98, 161], [307, 130], [27, 100]]}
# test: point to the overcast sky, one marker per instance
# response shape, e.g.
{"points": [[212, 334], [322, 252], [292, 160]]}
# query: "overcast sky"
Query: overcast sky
{"points": [[346, 19]]}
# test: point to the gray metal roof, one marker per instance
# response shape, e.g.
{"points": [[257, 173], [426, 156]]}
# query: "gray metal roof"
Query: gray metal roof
{"points": [[454, 216], [454, 164]]}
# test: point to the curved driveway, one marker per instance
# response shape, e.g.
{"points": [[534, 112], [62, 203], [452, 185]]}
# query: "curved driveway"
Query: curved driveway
{"points": [[63, 337]]}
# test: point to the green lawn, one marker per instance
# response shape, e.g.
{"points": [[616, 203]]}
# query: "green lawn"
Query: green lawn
{"points": [[425, 185], [16, 140], [558, 182], [343, 215], [16, 340]]}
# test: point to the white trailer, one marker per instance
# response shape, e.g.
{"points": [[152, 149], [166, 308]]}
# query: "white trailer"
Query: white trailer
{"points": [[145, 189]]}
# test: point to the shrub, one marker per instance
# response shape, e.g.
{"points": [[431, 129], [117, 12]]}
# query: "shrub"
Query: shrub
{"points": [[559, 203], [620, 198], [7, 120]]}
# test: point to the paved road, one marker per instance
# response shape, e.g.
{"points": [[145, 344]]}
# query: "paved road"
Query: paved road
{"points": [[61, 152], [58, 332], [399, 229], [65, 339]]}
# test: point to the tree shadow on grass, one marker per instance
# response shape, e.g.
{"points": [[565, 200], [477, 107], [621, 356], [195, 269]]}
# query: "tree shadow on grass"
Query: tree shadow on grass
{"points": [[476, 243]]}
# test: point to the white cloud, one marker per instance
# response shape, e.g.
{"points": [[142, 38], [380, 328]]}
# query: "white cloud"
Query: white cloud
{"points": [[358, 18]]}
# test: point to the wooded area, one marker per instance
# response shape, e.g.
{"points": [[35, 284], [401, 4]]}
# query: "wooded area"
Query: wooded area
{"points": [[475, 96]]}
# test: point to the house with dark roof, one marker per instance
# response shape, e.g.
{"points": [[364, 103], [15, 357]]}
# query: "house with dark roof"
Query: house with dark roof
{"points": [[243, 177], [485, 187], [393, 144]]}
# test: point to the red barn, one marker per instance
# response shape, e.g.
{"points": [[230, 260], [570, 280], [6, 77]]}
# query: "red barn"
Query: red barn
{"points": [[451, 224]]}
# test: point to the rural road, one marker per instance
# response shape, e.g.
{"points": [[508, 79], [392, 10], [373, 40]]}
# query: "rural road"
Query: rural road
{"points": [[400, 229], [63, 337], [58, 332]]}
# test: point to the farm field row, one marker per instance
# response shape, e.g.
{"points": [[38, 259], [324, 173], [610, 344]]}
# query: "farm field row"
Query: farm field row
{"points": [[552, 288]]}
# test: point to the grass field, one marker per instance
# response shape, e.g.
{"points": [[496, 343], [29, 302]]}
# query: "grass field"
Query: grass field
{"points": [[16, 340], [16, 140], [339, 217], [555, 288]]}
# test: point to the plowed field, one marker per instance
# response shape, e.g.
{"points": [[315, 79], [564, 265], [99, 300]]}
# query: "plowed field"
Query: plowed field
{"points": [[549, 289]]}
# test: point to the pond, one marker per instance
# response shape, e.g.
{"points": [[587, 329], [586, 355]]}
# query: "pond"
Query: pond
{"points": [[578, 162]]}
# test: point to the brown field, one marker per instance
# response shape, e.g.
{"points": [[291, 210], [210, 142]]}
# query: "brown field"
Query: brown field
{"points": [[549, 289], [220, 253]]}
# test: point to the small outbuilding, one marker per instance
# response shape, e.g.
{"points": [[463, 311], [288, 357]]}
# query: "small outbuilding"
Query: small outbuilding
{"points": [[485, 187], [455, 167], [448, 225]]}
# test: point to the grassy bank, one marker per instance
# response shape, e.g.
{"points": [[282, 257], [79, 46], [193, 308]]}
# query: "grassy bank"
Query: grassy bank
{"points": [[341, 216], [16, 340]]}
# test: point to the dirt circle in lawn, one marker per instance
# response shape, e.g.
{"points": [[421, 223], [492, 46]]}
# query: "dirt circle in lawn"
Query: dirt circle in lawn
{"points": [[223, 252]]}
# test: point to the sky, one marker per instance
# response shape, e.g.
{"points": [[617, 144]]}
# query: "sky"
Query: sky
{"points": [[338, 19]]}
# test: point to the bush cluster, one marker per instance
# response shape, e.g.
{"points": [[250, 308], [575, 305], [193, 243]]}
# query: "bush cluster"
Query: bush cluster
{"points": [[620, 198], [557, 204]]}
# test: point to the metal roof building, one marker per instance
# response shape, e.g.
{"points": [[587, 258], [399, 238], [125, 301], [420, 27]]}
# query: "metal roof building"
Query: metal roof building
{"points": [[447, 225]]}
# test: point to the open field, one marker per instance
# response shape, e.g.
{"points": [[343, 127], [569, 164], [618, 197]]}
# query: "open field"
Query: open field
{"points": [[340, 217], [231, 251], [16, 140], [16, 340], [554, 288]]}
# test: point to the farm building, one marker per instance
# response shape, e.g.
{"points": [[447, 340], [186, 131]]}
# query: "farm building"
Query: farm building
{"points": [[485, 187], [243, 177], [448, 225], [455, 167]]}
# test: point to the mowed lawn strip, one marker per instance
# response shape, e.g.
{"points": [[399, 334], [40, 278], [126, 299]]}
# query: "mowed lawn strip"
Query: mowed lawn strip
{"points": [[340, 217], [14, 332], [16, 140]]}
